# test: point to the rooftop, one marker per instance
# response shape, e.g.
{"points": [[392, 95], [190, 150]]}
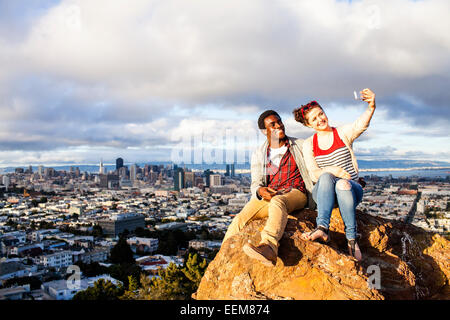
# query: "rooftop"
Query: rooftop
{"points": [[10, 267]]}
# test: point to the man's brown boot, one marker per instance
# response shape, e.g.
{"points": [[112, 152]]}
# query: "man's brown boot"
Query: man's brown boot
{"points": [[263, 253]]}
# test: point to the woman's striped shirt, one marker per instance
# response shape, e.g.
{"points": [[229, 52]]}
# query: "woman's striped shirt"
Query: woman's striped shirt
{"points": [[337, 155]]}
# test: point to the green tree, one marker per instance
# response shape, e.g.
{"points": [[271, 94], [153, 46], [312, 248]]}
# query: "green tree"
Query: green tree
{"points": [[102, 290], [122, 271], [174, 283], [11, 223], [92, 269], [46, 225], [194, 270], [133, 289], [133, 284], [170, 286], [97, 231], [125, 233], [121, 253], [204, 235], [141, 232], [138, 293], [34, 282]]}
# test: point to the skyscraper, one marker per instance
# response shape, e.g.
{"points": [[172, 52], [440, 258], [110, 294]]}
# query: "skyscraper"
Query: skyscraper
{"points": [[101, 169], [216, 180], [178, 179], [153, 176], [207, 174], [133, 171], [119, 163], [123, 172], [6, 181], [189, 179], [230, 170]]}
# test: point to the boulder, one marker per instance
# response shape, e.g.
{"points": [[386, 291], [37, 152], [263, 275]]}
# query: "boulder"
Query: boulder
{"points": [[400, 261]]}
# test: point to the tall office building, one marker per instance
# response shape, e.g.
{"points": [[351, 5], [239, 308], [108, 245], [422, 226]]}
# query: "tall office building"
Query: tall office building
{"points": [[6, 181], [215, 180], [103, 180], [207, 174], [178, 179], [112, 181], [123, 172], [101, 169], [230, 170], [199, 182], [153, 176], [119, 163], [133, 172], [41, 170], [189, 179]]}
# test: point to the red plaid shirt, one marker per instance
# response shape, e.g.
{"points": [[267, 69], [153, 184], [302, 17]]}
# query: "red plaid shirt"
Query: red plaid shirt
{"points": [[287, 175]]}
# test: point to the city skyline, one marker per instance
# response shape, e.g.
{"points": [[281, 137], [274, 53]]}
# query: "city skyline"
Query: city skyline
{"points": [[77, 86], [50, 223]]}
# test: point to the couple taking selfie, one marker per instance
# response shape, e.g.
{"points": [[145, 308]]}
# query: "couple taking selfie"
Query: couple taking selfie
{"points": [[289, 174]]}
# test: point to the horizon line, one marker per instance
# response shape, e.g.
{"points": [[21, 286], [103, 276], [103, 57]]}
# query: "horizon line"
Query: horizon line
{"points": [[62, 164]]}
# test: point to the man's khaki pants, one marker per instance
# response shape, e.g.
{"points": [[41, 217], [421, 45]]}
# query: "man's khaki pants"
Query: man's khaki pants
{"points": [[277, 210]]}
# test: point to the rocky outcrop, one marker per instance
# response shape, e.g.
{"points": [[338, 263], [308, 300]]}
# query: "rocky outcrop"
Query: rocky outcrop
{"points": [[400, 261]]}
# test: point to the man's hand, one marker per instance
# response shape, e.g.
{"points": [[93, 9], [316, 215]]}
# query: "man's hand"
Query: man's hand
{"points": [[368, 96], [266, 193]]}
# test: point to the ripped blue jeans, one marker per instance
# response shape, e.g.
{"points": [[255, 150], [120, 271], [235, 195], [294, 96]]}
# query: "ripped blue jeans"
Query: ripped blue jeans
{"points": [[327, 191]]}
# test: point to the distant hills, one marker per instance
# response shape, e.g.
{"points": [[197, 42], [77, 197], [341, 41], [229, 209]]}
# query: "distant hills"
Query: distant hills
{"points": [[400, 164]]}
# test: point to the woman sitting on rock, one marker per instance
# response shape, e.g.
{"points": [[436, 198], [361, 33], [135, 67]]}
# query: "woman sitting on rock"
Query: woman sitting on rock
{"points": [[333, 167]]}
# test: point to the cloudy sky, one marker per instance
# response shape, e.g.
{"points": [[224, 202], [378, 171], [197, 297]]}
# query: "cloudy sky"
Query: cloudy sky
{"points": [[82, 80]]}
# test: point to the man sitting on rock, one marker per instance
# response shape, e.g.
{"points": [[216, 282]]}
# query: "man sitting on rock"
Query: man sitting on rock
{"points": [[280, 184]]}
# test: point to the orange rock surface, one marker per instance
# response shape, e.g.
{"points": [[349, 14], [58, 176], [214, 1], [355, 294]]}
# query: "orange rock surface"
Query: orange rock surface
{"points": [[411, 263]]}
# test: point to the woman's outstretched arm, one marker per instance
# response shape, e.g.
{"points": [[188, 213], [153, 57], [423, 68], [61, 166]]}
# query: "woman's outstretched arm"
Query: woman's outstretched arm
{"points": [[355, 129], [368, 96]]}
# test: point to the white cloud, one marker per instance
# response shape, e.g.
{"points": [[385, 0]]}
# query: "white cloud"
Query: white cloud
{"points": [[200, 51], [125, 74]]}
